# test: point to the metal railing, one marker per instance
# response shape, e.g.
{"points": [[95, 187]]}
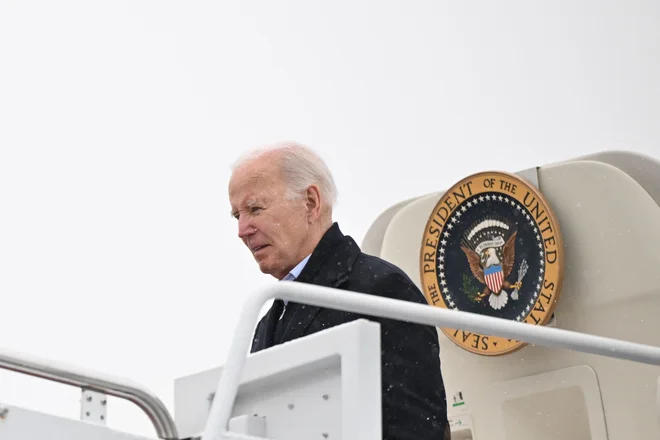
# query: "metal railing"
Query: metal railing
{"points": [[227, 388], [70, 375]]}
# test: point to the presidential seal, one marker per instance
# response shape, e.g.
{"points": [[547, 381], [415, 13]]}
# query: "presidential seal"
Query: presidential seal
{"points": [[492, 246]]}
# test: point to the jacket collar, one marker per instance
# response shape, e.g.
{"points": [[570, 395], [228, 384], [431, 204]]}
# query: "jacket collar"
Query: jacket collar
{"points": [[328, 266], [331, 260]]}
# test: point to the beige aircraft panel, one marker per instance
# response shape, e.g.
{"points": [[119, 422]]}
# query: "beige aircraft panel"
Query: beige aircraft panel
{"points": [[611, 230]]}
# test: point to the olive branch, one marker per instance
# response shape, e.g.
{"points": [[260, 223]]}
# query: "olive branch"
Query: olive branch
{"points": [[470, 288]]}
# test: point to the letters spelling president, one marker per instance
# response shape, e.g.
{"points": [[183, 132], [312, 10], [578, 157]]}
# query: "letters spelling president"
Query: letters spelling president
{"points": [[282, 197]]}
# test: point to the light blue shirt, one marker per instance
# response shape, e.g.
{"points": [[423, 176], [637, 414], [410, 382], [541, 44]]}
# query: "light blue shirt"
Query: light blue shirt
{"points": [[295, 272]]}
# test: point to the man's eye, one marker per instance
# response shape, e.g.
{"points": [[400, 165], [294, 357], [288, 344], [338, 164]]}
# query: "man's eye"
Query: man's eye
{"points": [[255, 210]]}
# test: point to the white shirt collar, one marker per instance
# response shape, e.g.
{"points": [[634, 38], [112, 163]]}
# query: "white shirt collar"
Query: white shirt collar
{"points": [[295, 272]]}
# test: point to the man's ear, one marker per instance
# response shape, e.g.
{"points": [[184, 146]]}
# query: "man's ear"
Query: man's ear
{"points": [[313, 203]]}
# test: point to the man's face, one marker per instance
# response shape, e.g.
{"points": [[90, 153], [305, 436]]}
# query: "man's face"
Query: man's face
{"points": [[272, 227]]}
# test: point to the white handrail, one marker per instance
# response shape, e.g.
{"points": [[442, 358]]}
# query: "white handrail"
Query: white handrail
{"points": [[225, 395], [113, 386]]}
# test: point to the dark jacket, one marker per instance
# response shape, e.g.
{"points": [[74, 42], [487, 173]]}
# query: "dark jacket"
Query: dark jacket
{"points": [[413, 394]]}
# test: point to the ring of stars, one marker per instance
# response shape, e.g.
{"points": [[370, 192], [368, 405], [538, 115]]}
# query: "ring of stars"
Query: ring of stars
{"points": [[455, 219]]}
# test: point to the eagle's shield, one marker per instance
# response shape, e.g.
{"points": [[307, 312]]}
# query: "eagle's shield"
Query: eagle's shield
{"points": [[494, 276]]}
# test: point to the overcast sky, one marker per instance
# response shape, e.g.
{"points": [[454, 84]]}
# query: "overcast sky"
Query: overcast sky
{"points": [[119, 120]]}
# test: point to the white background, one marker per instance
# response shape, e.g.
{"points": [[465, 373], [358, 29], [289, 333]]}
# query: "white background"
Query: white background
{"points": [[119, 120]]}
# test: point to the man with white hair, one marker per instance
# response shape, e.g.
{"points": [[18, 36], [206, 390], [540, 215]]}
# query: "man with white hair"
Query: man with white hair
{"points": [[282, 197]]}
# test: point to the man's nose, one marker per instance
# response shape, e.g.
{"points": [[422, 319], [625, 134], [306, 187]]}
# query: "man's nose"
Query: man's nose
{"points": [[245, 228]]}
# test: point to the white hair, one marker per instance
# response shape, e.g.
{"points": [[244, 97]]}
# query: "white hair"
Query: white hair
{"points": [[301, 167]]}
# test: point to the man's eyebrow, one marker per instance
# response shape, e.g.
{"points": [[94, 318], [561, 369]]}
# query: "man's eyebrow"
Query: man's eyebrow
{"points": [[248, 203]]}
